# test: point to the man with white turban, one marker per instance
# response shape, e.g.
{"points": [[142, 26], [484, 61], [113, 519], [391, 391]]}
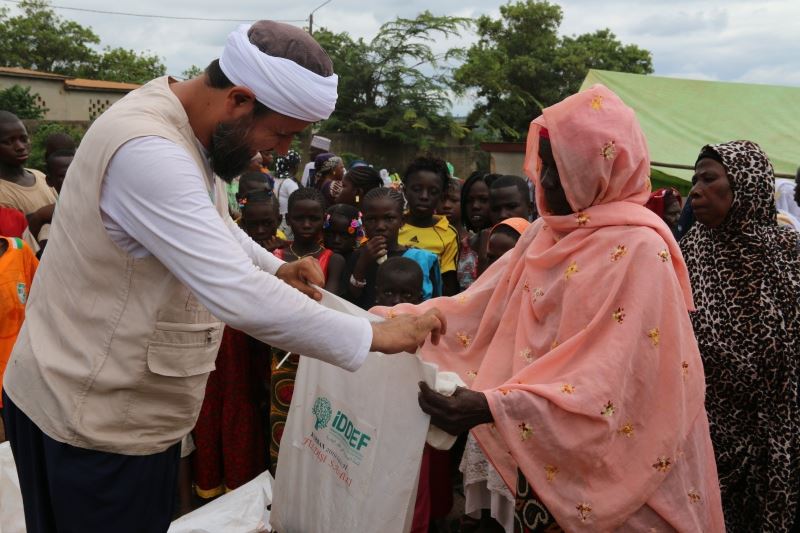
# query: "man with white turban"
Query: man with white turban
{"points": [[143, 267]]}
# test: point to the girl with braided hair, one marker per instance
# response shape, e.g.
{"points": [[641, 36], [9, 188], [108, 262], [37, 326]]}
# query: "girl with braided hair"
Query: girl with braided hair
{"points": [[357, 183], [382, 218]]}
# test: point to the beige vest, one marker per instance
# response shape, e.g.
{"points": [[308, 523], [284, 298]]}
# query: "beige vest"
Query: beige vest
{"points": [[114, 352]]}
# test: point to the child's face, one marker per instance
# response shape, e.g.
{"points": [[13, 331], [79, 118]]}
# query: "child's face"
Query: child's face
{"points": [[450, 206], [423, 190], [499, 243], [508, 202], [305, 218], [478, 206], [15, 146], [348, 193], [382, 218], [56, 171], [338, 237], [260, 220], [398, 288]]}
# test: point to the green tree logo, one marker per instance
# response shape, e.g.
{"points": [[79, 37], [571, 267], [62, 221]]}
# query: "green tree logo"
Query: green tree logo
{"points": [[322, 411]]}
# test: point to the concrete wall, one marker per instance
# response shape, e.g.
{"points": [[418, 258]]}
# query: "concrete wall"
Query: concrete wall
{"points": [[62, 104], [508, 163]]}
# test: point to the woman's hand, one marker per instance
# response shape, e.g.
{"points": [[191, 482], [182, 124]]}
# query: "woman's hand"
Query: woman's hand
{"points": [[455, 414]]}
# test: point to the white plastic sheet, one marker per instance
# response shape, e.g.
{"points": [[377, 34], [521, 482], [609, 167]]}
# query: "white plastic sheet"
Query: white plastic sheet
{"points": [[243, 510], [12, 517], [352, 445]]}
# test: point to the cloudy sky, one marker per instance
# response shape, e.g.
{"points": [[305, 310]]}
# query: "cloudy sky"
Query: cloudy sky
{"points": [[752, 41]]}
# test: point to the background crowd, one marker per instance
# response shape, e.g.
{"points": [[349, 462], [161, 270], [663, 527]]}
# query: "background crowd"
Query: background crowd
{"points": [[384, 241]]}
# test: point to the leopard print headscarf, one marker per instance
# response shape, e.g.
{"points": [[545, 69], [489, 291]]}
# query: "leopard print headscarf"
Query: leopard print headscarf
{"points": [[745, 276]]}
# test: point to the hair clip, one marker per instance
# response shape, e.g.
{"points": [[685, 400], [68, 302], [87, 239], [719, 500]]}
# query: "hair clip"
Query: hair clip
{"points": [[327, 223], [242, 203]]}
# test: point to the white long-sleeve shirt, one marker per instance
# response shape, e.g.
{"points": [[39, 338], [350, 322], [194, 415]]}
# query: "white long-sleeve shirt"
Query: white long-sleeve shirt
{"points": [[154, 201]]}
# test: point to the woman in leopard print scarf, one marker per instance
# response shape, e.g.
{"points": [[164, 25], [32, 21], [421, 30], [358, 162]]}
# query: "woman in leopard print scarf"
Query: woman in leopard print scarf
{"points": [[745, 276]]}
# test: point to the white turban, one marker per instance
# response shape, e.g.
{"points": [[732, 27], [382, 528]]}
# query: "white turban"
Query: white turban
{"points": [[279, 83]]}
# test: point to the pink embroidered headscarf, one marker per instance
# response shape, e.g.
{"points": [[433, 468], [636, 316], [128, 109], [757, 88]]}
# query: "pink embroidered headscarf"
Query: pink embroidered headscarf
{"points": [[580, 339]]}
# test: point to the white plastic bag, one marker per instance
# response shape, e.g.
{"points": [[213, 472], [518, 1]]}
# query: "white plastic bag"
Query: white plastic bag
{"points": [[352, 446], [243, 510], [12, 517]]}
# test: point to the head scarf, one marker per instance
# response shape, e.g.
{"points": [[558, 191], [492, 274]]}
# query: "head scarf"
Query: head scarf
{"points": [[518, 224], [279, 83], [284, 164], [581, 341], [326, 163], [746, 280]]}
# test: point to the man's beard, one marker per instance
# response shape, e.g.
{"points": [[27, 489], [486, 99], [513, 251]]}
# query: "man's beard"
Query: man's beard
{"points": [[229, 152]]}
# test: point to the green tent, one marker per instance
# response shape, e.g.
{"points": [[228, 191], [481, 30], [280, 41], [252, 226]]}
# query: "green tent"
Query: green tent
{"points": [[681, 116]]}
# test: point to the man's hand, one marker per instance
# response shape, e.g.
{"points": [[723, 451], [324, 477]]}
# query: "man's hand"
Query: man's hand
{"points": [[406, 333], [455, 414], [301, 275]]}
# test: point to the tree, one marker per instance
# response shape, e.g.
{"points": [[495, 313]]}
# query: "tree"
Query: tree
{"points": [[520, 65], [395, 86], [192, 72], [39, 39], [21, 102], [119, 64]]}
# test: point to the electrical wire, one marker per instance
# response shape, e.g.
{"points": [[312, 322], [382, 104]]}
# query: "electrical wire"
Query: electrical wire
{"points": [[147, 15]]}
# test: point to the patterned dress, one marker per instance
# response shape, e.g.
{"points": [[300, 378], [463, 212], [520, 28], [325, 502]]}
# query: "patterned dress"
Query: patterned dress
{"points": [[229, 433], [745, 276], [281, 382]]}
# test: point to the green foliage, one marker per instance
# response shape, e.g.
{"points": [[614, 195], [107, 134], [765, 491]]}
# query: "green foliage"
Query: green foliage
{"points": [[395, 86], [119, 64], [520, 65], [21, 102], [41, 132], [41, 40], [192, 72]]}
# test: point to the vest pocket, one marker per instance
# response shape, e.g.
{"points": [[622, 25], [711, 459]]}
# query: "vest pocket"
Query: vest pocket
{"points": [[183, 350]]}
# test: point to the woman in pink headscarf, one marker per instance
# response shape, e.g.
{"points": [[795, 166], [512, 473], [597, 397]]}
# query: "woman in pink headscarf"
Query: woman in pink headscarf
{"points": [[585, 382]]}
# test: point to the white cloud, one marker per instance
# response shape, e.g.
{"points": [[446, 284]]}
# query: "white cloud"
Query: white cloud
{"points": [[734, 40]]}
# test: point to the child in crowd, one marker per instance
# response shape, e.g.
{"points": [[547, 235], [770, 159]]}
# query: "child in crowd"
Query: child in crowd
{"points": [[285, 184], [356, 183], [22, 188], [382, 218], [306, 216], [262, 220], [509, 196], [342, 229], [58, 141], [425, 182], [504, 237], [450, 206], [56, 166], [229, 434], [327, 176], [17, 267], [249, 182], [475, 217], [399, 281]]}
